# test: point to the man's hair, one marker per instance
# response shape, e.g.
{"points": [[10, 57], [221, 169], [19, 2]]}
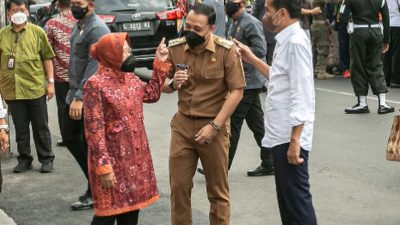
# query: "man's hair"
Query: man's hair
{"points": [[292, 6], [17, 2], [206, 10], [64, 3]]}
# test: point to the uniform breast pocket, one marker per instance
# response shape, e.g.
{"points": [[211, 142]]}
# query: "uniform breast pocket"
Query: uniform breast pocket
{"points": [[214, 71], [81, 48]]}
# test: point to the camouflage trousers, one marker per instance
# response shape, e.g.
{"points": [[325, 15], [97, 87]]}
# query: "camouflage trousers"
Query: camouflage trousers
{"points": [[320, 45]]}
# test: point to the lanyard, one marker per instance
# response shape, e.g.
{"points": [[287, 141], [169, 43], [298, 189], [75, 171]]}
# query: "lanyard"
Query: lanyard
{"points": [[18, 38]]}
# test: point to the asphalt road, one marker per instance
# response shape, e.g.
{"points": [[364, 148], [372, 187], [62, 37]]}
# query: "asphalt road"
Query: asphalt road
{"points": [[352, 183]]}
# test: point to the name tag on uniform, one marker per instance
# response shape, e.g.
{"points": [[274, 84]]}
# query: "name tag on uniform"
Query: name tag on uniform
{"points": [[11, 63]]}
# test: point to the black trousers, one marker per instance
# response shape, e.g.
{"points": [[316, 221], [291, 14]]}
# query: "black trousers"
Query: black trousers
{"points": [[34, 112], [293, 188], [73, 135], [129, 218], [391, 60], [61, 89], [366, 61], [344, 47], [249, 109]]}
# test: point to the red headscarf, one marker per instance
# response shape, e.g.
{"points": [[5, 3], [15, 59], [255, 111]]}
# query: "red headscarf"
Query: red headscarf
{"points": [[109, 50]]}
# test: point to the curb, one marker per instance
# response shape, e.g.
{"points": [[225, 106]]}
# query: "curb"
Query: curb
{"points": [[5, 219]]}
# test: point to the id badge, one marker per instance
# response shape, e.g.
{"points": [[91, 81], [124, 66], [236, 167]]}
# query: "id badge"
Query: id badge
{"points": [[11, 63]]}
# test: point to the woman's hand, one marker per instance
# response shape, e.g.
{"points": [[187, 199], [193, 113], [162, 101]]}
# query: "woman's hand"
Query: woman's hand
{"points": [[162, 51], [108, 180]]}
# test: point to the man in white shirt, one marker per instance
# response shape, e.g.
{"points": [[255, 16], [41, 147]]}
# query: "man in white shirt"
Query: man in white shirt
{"points": [[391, 65], [290, 109]]}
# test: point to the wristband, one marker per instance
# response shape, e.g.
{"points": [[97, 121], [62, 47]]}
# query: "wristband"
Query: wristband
{"points": [[171, 84], [215, 126]]}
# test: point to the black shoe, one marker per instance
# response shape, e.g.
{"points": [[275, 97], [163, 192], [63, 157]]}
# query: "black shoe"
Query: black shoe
{"points": [[385, 109], [394, 85], [22, 167], [200, 171], [60, 143], [261, 171], [357, 109], [85, 202], [46, 167]]}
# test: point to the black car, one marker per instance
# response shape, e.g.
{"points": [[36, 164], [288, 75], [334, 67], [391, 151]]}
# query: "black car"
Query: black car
{"points": [[146, 21]]}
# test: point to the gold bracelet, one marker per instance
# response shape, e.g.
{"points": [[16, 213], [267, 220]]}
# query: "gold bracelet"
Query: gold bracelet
{"points": [[215, 126]]}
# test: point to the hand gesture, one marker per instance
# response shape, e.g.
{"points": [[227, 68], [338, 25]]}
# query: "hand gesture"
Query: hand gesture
{"points": [[4, 141], [385, 48], [50, 91], [75, 109], [162, 51], [316, 10], [180, 78], [293, 153], [206, 135], [244, 51], [108, 180]]}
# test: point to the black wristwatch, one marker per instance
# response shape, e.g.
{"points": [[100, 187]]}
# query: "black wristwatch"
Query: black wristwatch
{"points": [[171, 84]]}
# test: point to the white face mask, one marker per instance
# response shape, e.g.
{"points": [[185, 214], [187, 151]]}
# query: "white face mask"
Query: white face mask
{"points": [[19, 18]]}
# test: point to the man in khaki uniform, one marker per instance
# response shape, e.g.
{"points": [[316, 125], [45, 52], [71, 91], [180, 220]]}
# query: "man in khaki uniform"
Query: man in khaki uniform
{"points": [[209, 90]]}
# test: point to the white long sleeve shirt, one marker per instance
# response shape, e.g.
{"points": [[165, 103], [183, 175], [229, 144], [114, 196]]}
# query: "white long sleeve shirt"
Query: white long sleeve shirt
{"points": [[394, 12], [291, 98], [3, 111]]}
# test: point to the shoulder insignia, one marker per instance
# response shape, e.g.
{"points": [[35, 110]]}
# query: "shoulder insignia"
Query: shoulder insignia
{"points": [[176, 42], [223, 42]]}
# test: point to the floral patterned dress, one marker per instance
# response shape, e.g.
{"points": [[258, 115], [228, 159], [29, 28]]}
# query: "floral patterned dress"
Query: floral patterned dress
{"points": [[117, 142]]}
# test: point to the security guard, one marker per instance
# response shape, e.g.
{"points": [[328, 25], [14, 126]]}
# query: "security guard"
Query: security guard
{"points": [[209, 78], [320, 39], [366, 40]]}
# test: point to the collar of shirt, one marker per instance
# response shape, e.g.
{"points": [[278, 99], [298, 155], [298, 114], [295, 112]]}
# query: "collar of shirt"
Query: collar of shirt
{"points": [[236, 20], [83, 22], [23, 29], [209, 46], [285, 33]]}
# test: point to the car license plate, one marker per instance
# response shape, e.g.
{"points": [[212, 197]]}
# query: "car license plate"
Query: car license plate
{"points": [[136, 26]]}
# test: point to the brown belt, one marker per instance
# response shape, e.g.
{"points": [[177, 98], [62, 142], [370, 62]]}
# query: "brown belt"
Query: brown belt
{"points": [[198, 117]]}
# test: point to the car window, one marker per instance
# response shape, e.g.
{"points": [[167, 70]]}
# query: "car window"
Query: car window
{"points": [[107, 6]]}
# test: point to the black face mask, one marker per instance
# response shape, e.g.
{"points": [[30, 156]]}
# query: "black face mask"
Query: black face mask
{"points": [[129, 64], [78, 12], [231, 8], [193, 39]]}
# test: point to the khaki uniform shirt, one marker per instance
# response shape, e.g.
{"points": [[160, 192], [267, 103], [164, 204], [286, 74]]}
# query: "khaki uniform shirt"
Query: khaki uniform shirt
{"points": [[213, 73], [27, 79]]}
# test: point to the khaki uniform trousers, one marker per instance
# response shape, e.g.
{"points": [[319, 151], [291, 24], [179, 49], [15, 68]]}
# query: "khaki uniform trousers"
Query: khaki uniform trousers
{"points": [[183, 159]]}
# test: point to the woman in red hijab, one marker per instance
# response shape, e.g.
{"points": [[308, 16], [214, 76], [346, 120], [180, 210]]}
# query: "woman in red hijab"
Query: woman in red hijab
{"points": [[120, 166]]}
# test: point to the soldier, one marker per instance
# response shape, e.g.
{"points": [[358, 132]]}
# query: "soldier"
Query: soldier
{"points": [[209, 79], [320, 39], [366, 40]]}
